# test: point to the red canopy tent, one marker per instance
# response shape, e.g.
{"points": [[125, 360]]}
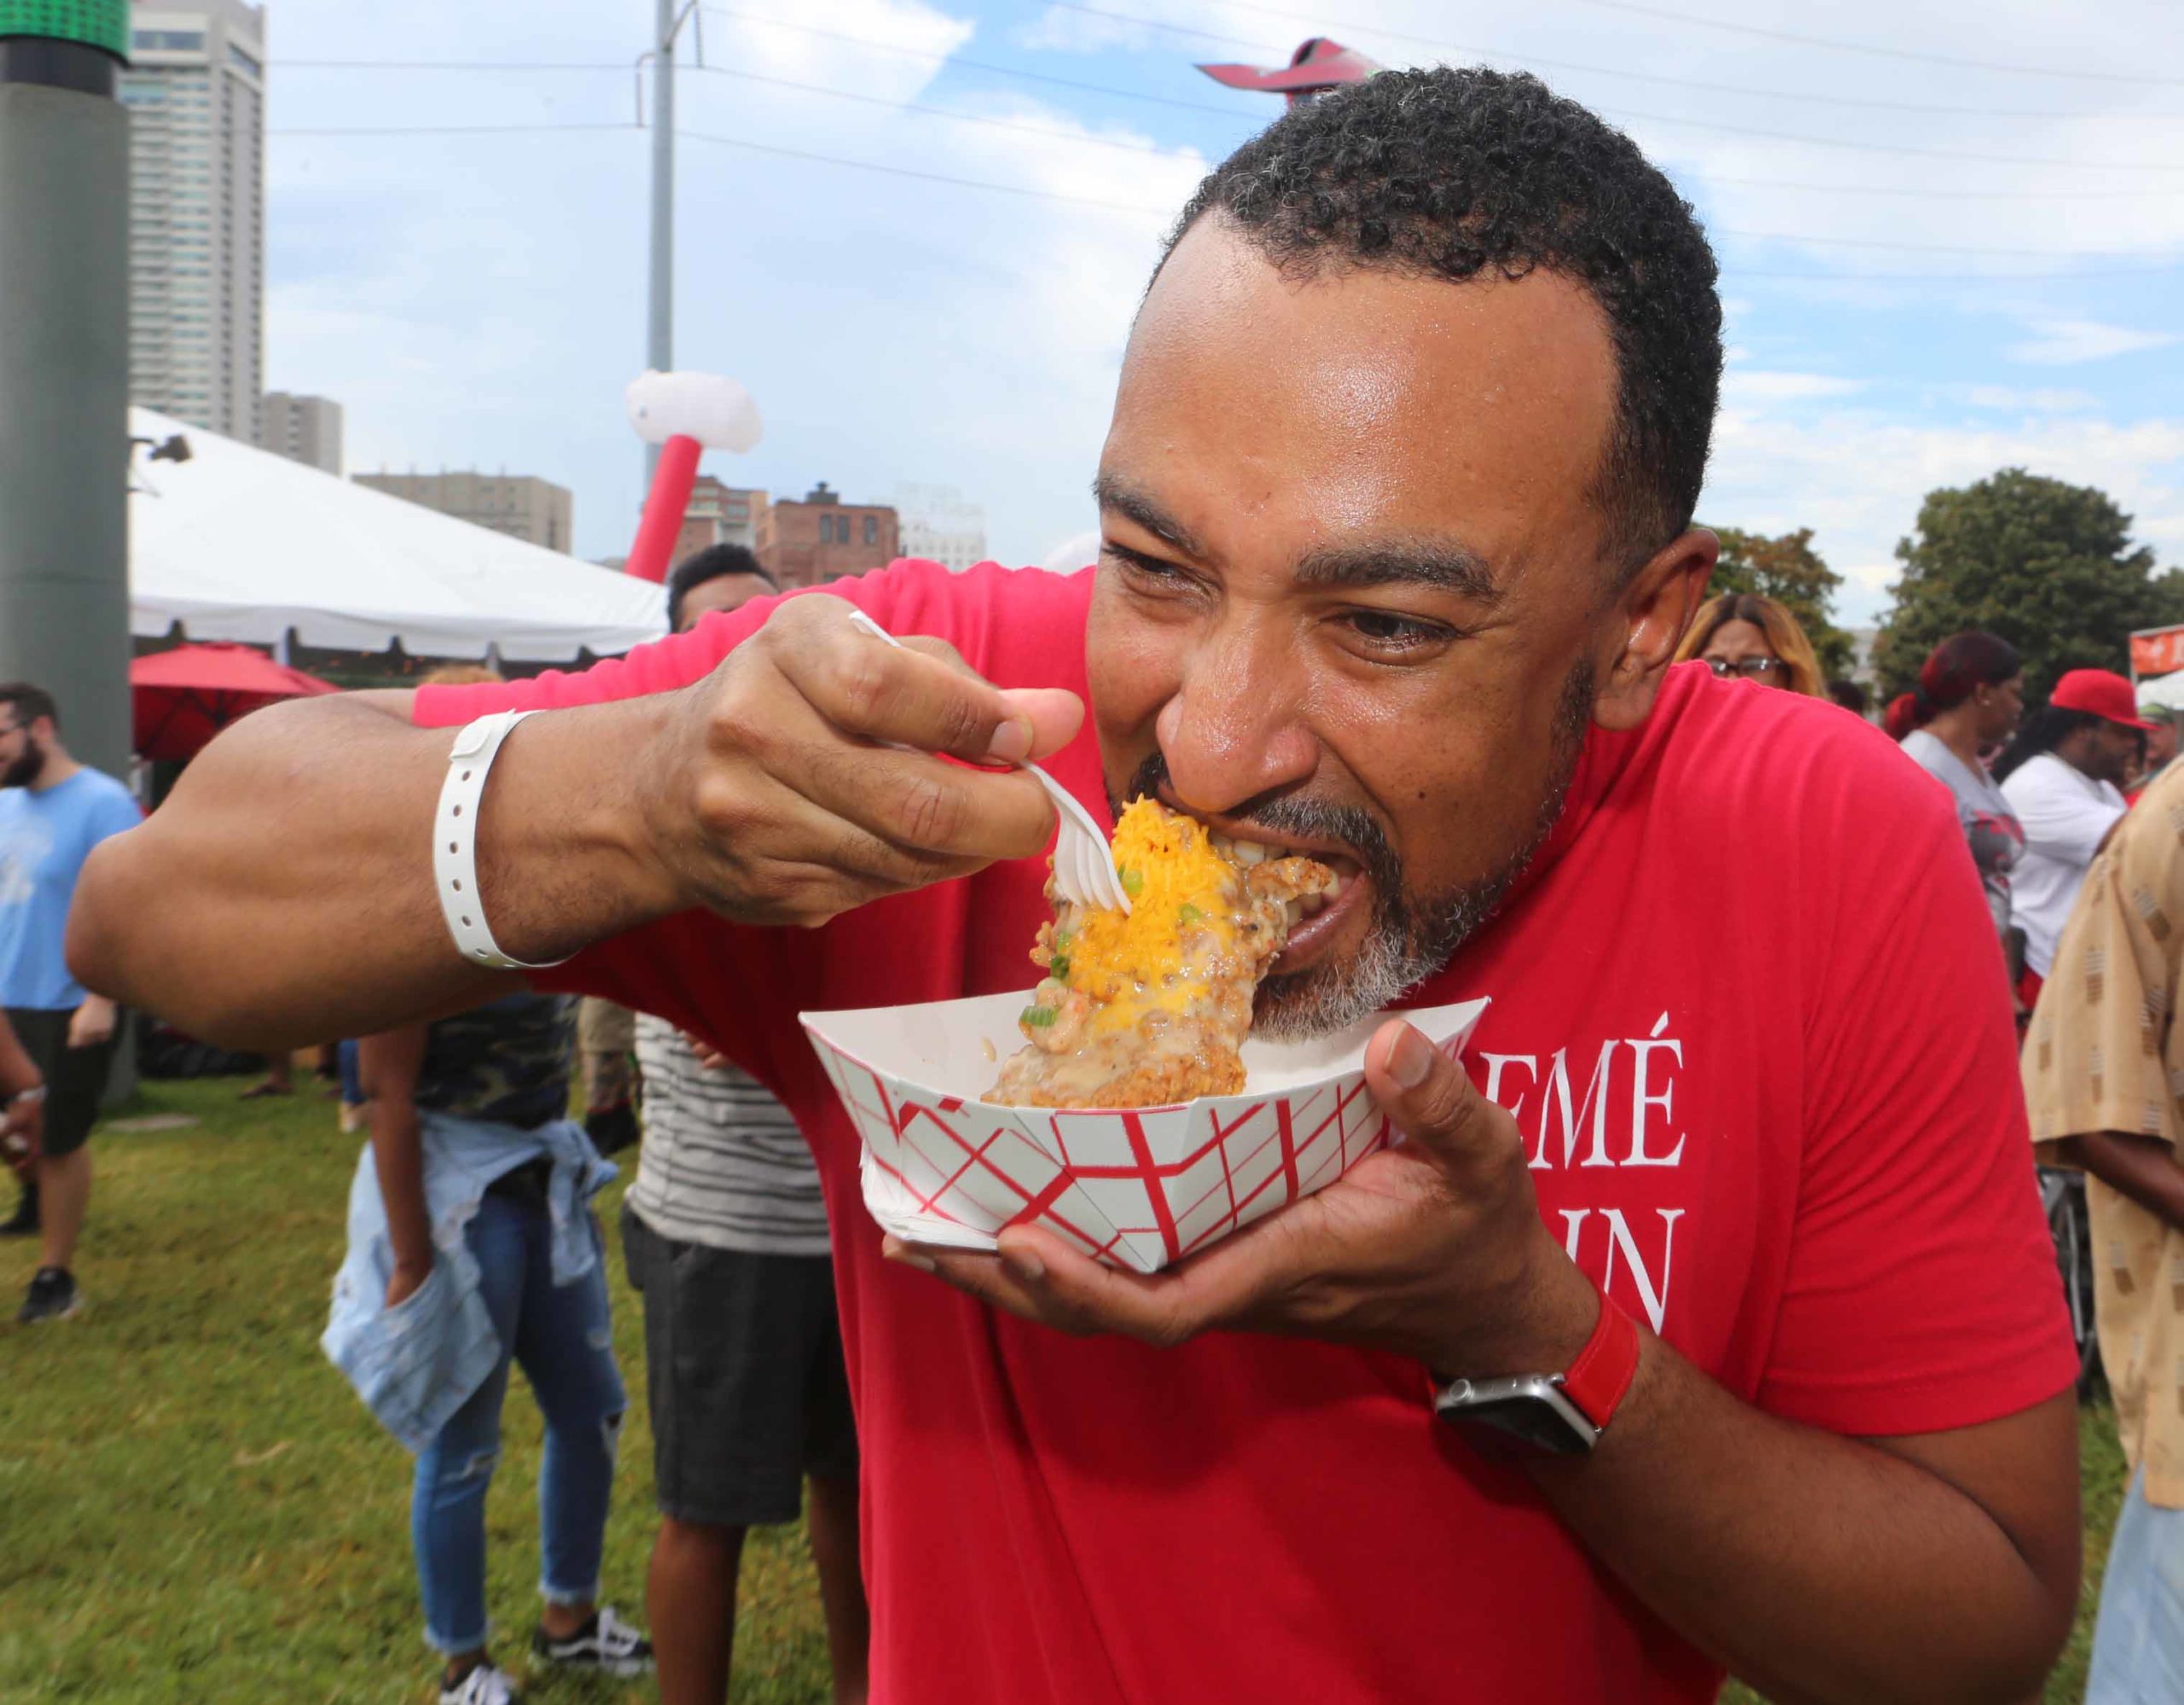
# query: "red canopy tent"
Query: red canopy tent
{"points": [[181, 698]]}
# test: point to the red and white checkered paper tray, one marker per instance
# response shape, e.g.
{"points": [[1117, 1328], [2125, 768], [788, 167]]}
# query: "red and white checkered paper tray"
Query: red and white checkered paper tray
{"points": [[1138, 1188]]}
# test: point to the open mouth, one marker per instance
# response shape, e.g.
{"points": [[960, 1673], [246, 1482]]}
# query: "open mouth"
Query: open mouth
{"points": [[1315, 920]]}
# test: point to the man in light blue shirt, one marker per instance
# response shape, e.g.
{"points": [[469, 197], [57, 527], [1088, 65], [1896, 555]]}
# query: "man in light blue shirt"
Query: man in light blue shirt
{"points": [[53, 811]]}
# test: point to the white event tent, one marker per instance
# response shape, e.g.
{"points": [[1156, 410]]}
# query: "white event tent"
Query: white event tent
{"points": [[240, 543]]}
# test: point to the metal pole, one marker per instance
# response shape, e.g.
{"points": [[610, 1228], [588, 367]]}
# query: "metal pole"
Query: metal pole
{"points": [[64, 370], [659, 327]]}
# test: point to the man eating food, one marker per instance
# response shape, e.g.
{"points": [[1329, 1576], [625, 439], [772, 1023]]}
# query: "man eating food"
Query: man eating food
{"points": [[1708, 1323]]}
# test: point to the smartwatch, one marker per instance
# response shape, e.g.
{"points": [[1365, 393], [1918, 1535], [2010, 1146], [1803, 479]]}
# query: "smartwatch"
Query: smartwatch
{"points": [[1561, 1414]]}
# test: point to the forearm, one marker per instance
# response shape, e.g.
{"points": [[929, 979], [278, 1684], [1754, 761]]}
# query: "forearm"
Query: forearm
{"points": [[331, 924], [2138, 1168], [399, 1158], [1819, 1568]]}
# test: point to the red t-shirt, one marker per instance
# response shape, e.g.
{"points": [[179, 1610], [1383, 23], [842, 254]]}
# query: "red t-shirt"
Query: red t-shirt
{"points": [[1749, 1012]]}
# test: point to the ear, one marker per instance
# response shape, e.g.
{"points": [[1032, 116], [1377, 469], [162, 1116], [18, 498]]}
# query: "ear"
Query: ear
{"points": [[1646, 624]]}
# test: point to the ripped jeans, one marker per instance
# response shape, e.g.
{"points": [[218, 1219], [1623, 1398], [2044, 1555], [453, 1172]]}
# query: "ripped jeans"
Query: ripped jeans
{"points": [[562, 1335]]}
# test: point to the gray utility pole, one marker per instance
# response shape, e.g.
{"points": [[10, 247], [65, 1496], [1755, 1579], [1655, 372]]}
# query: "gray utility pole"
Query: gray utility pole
{"points": [[64, 366], [659, 320]]}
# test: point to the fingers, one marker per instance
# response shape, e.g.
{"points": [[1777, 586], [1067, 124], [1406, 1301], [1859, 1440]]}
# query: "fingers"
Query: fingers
{"points": [[1037, 1277], [866, 687], [910, 800], [1431, 1099], [1057, 713]]}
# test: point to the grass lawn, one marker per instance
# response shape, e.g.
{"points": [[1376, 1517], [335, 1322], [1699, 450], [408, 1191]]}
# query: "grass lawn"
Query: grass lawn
{"points": [[195, 1507], [194, 1504]]}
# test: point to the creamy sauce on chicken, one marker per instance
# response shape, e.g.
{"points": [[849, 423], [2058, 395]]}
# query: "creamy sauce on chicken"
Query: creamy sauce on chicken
{"points": [[1151, 1009]]}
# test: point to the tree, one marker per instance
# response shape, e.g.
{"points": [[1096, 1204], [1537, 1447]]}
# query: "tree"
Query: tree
{"points": [[1791, 572], [2047, 566]]}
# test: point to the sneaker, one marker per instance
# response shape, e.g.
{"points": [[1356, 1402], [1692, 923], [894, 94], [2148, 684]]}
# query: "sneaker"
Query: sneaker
{"points": [[53, 1296], [605, 1644], [483, 1683]]}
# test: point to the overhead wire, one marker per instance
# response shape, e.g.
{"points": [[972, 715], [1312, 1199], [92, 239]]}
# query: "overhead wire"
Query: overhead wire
{"points": [[1075, 137], [1231, 113], [1799, 136], [1862, 103], [2167, 267], [1915, 55]]}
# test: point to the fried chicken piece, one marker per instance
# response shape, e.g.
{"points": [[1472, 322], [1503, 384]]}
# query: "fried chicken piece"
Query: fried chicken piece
{"points": [[1151, 1009]]}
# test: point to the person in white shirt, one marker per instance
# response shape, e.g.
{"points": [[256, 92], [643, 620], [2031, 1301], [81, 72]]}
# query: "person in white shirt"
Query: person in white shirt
{"points": [[2063, 776]]}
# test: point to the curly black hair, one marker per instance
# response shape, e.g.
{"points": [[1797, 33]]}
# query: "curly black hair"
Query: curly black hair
{"points": [[712, 563], [1455, 173]]}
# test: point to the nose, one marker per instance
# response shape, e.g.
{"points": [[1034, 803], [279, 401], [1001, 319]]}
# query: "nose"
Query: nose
{"points": [[1235, 729]]}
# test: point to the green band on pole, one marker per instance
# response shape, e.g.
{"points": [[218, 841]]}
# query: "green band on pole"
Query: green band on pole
{"points": [[97, 23]]}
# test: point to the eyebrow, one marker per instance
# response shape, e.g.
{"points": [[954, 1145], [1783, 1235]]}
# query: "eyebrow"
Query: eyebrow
{"points": [[1130, 500], [1445, 566]]}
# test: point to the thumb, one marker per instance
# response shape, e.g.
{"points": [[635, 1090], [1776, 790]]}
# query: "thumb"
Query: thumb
{"points": [[1054, 714], [1429, 1097]]}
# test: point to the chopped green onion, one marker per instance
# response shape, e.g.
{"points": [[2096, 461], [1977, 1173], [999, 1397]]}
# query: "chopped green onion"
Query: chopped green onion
{"points": [[1038, 1017], [1061, 942], [1133, 883], [1189, 915], [1058, 968]]}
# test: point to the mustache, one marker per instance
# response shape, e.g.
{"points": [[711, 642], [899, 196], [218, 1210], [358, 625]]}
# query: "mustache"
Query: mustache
{"points": [[1357, 832]]}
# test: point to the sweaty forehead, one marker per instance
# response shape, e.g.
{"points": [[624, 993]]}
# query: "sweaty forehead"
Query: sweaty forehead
{"points": [[1356, 402]]}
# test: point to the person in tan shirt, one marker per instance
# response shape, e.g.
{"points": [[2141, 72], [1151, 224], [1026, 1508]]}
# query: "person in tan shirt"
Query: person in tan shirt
{"points": [[2104, 1076]]}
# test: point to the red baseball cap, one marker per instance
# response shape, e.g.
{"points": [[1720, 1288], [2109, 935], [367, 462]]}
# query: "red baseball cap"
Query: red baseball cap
{"points": [[2101, 691]]}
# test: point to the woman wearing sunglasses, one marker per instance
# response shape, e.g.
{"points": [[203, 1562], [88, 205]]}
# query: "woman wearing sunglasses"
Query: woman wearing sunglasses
{"points": [[1744, 634]]}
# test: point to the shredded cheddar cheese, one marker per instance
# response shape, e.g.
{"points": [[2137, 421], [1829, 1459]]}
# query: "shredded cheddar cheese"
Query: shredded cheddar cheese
{"points": [[1151, 1007], [1129, 964]]}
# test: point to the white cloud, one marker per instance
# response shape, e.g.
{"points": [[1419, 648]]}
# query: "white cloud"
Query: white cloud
{"points": [[480, 300], [1743, 386], [2010, 399], [1857, 477], [2063, 343]]}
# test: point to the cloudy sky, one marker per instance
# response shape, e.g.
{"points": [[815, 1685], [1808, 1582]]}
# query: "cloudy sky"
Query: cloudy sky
{"points": [[1953, 236]]}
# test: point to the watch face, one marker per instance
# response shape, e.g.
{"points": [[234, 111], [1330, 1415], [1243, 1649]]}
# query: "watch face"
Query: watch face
{"points": [[1534, 1422], [1518, 1413]]}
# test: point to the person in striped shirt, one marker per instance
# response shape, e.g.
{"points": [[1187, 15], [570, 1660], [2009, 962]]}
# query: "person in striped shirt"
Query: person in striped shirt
{"points": [[725, 1234]]}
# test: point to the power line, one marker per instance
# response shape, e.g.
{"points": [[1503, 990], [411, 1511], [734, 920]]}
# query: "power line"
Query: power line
{"points": [[925, 176], [1029, 193], [1800, 137], [1911, 53], [958, 63], [984, 118], [1695, 124], [1892, 190], [1860, 102], [439, 130]]}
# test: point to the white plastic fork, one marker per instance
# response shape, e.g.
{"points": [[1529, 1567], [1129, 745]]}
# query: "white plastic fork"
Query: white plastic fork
{"points": [[1085, 863]]}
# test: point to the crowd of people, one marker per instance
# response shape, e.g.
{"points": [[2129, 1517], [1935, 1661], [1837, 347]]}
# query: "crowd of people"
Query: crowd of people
{"points": [[1747, 1355]]}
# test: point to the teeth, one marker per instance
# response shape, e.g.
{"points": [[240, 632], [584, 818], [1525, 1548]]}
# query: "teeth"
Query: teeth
{"points": [[1334, 884], [1313, 904], [1249, 852], [1293, 912]]}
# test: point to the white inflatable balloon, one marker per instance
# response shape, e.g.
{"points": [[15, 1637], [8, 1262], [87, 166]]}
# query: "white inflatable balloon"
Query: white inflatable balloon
{"points": [[717, 411]]}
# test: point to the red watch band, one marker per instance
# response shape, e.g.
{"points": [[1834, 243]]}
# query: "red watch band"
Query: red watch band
{"points": [[1600, 1376]]}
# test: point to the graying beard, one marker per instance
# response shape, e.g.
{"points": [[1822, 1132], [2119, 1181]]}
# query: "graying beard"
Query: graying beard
{"points": [[1402, 951]]}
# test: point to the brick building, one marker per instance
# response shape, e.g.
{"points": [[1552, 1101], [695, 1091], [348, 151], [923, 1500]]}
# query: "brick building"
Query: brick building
{"points": [[718, 515], [822, 538]]}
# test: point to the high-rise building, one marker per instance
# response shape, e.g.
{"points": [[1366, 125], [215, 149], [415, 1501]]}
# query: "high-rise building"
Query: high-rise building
{"points": [[719, 514], [941, 526], [195, 91], [822, 538], [517, 504], [302, 428]]}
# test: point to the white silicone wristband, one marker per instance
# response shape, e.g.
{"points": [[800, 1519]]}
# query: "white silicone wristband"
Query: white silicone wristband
{"points": [[454, 842]]}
